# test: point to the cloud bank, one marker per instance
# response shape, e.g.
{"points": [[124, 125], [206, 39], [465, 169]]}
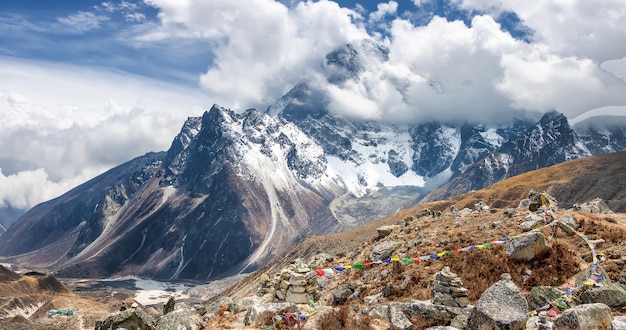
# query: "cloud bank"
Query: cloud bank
{"points": [[87, 122], [442, 70]]}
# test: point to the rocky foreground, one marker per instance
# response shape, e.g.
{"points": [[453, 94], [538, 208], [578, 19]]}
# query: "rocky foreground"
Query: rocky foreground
{"points": [[535, 266]]}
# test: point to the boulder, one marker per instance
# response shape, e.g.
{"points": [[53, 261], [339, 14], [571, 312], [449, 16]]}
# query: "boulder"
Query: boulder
{"points": [[531, 222], [397, 318], [244, 304], [169, 305], [501, 306], [341, 294], [255, 312], [384, 231], [539, 323], [596, 205], [528, 247], [383, 250], [440, 314], [509, 212], [379, 312], [569, 219], [184, 317], [611, 295], [132, 318], [542, 295], [619, 323], [585, 317]]}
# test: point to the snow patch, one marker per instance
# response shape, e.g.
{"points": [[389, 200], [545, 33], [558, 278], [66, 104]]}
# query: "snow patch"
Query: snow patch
{"points": [[167, 192], [492, 137]]}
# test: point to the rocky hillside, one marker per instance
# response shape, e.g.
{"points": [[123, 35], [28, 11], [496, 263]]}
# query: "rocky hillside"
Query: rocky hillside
{"points": [[37, 301], [384, 273], [433, 228]]}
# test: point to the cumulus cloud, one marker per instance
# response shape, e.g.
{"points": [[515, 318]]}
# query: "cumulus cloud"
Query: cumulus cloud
{"points": [[261, 47], [383, 9], [441, 70], [75, 123], [569, 28], [25, 189]]}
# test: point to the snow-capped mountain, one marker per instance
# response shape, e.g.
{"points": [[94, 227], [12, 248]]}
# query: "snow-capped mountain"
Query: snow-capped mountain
{"points": [[550, 141], [232, 192], [603, 130], [235, 190]]}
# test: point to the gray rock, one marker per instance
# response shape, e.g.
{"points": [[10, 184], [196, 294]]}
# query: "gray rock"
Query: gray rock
{"points": [[298, 297], [619, 323], [254, 313], [244, 304], [132, 318], [532, 221], [569, 219], [182, 318], [586, 316], [442, 328], [397, 318], [528, 247], [383, 250], [543, 295], [438, 313], [379, 312], [341, 294], [387, 290], [535, 323], [596, 205], [510, 212], [611, 295], [384, 231], [169, 305], [501, 306]]}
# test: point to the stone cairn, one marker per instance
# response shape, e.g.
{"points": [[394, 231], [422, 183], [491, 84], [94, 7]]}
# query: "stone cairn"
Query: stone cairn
{"points": [[297, 285], [448, 289]]}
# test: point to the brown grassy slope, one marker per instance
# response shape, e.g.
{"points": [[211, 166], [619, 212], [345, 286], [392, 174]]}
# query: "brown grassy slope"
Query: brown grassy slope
{"points": [[571, 182]]}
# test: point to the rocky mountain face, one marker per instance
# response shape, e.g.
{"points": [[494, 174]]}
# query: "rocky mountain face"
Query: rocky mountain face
{"points": [[603, 134], [237, 189], [550, 141]]}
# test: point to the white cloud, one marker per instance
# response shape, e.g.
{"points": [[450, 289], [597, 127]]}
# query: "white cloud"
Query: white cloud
{"points": [[443, 70], [593, 29], [25, 189], [261, 47], [69, 123], [135, 17], [383, 9], [82, 21]]}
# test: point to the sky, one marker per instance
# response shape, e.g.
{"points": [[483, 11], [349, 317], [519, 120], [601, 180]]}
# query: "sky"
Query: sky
{"points": [[87, 85]]}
